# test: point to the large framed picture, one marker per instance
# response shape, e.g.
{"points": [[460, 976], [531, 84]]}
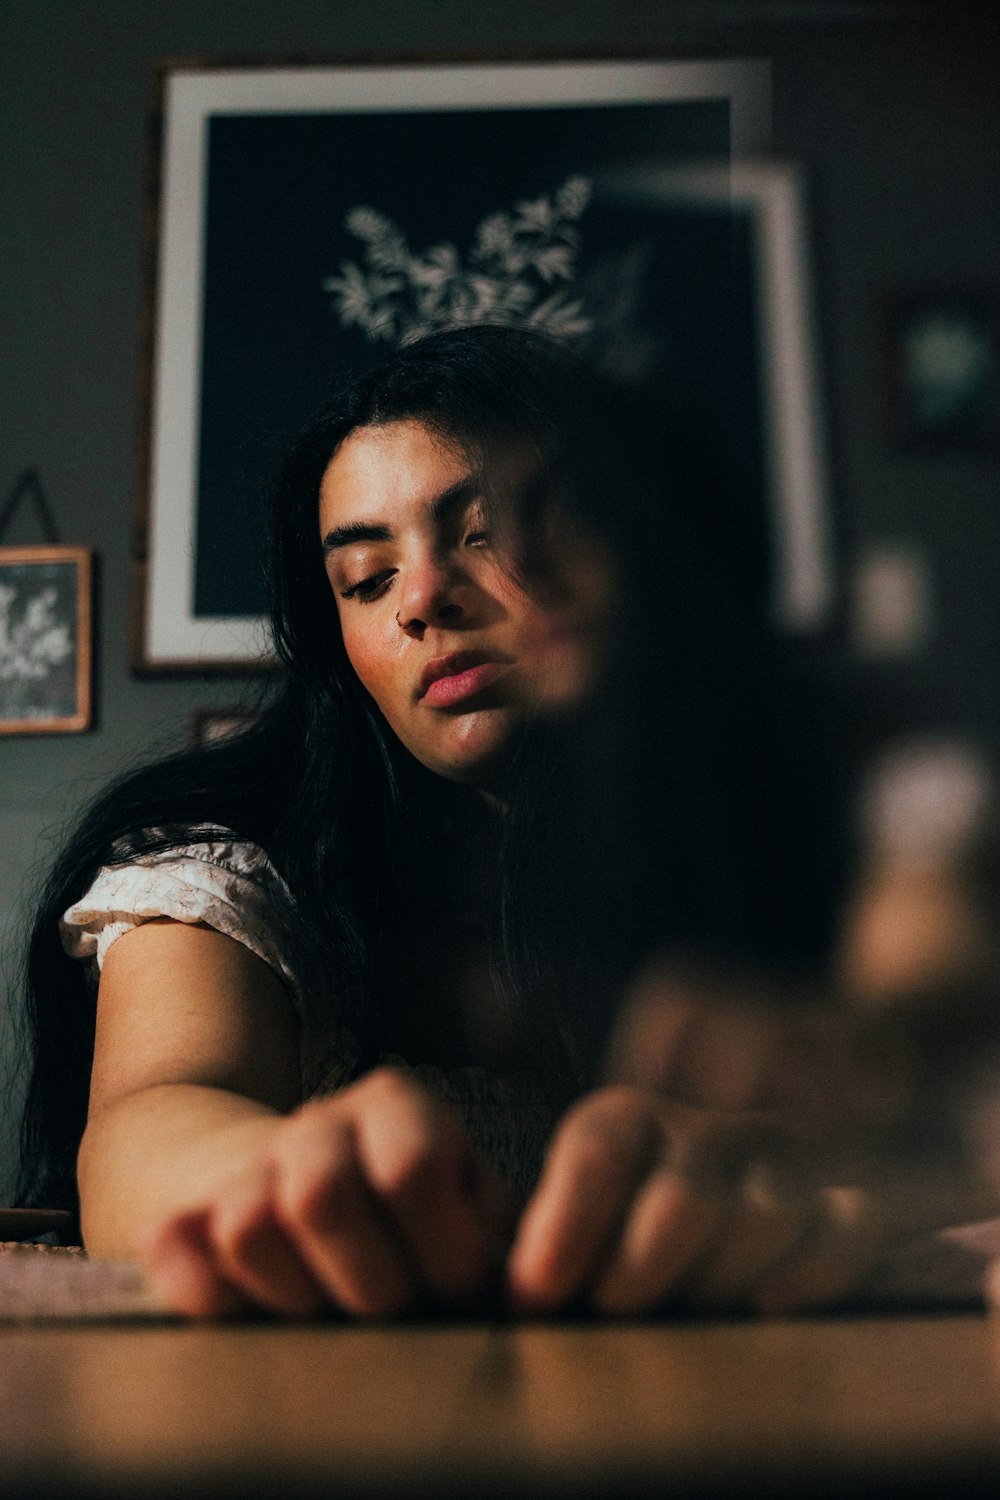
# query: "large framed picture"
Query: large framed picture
{"points": [[308, 217], [45, 640]]}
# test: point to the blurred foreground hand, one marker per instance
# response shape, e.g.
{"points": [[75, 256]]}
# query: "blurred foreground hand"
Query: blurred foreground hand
{"points": [[754, 1148]]}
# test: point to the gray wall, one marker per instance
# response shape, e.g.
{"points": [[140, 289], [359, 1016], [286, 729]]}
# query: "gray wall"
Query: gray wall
{"points": [[893, 115]]}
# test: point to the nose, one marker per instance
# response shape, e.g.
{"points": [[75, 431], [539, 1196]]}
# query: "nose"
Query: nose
{"points": [[433, 595]]}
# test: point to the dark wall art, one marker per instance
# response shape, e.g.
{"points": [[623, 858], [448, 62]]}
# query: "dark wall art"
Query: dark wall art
{"points": [[309, 218]]}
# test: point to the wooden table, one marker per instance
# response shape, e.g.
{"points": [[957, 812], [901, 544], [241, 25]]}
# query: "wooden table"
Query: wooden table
{"points": [[866, 1406]]}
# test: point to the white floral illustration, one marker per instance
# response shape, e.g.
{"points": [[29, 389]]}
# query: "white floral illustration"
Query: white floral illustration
{"points": [[519, 270], [32, 645]]}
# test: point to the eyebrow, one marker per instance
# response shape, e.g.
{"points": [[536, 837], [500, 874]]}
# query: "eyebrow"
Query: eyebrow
{"points": [[443, 505]]}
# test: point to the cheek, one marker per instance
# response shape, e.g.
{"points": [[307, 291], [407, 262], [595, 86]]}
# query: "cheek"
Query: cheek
{"points": [[368, 656], [562, 653]]}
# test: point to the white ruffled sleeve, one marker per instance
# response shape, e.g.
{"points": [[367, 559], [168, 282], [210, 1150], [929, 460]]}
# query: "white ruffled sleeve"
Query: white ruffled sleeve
{"points": [[229, 886]]}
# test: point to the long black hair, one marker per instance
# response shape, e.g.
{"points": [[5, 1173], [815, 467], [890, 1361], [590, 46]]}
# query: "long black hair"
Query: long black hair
{"points": [[661, 813]]}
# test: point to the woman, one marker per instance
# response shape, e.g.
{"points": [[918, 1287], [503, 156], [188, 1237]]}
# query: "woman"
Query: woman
{"points": [[312, 1002]]}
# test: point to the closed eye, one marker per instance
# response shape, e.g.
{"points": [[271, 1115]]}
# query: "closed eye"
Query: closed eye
{"points": [[370, 588]]}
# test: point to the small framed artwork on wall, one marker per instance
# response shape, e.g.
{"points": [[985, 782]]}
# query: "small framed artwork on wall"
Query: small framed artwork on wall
{"points": [[211, 724], [942, 353], [45, 640]]}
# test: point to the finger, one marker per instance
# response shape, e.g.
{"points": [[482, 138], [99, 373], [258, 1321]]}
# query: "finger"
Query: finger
{"points": [[650, 1039], [325, 1205], [726, 1061], [419, 1165], [844, 1240], [678, 1212], [594, 1166], [761, 1230], [255, 1253], [670, 1222], [180, 1263]]}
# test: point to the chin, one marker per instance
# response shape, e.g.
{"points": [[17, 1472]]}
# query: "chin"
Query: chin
{"points": [[481, 771], [475, 752]]}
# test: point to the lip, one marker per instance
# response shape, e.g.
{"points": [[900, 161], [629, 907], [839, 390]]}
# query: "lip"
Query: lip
{"points": [[450, 680]]}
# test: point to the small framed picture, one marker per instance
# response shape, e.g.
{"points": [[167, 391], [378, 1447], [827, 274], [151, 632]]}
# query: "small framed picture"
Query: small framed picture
{"points": [[211, 724], [45, 640], [943, 376]]}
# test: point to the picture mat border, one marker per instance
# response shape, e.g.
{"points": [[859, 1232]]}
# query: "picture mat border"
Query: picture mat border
{"points": [[169, 634]]}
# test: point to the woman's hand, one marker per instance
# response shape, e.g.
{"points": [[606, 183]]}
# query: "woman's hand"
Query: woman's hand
{"points": [[731, 1040], [752, 1150], [644, 1198], [365, 1201]]}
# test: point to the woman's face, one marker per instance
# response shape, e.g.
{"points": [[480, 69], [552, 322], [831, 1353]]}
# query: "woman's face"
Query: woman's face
{"points": [[454, 652]]}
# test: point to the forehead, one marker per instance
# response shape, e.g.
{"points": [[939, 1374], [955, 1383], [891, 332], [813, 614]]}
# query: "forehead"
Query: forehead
{"points": [[383, 473]]}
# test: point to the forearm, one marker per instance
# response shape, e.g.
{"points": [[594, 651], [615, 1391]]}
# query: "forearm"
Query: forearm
{"points": [[159, 1151]]}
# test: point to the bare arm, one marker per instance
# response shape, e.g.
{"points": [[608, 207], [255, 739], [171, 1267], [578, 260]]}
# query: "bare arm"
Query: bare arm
{"points": [[198, 1157], [195, 1058]]}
